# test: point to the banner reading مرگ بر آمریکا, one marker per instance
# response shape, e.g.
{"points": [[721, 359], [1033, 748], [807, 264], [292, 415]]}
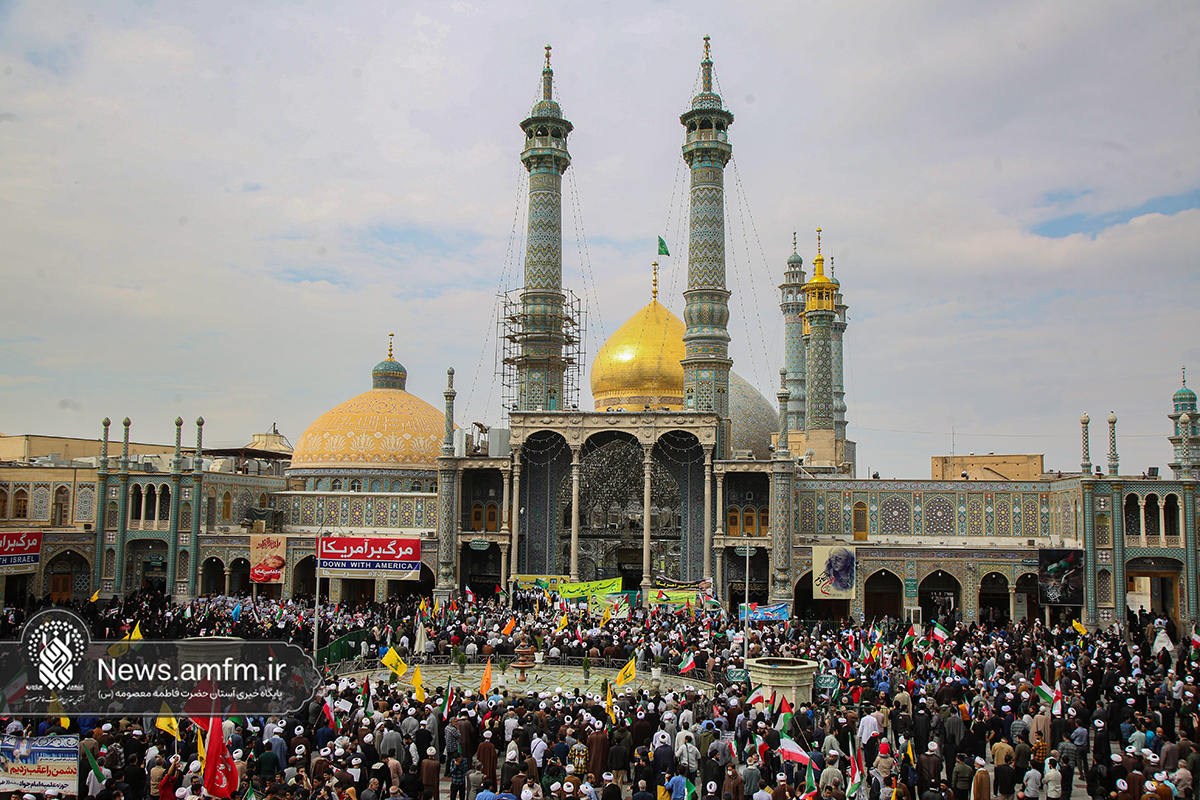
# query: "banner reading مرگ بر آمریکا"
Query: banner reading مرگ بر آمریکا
{"points": [[369, 557]]}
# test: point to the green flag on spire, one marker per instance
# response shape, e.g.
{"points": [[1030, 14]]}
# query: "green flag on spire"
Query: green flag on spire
{"points": [[662, 247]]}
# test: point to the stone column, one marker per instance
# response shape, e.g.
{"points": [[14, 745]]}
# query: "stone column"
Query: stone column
{"points": [[1141, 501], [720, 526], [708, 527], [719, 583], [506, 474], [1012, 602], [227, 584], [504, 561], [576, 464], [1162, 519], [647, 462], [516, 523]]}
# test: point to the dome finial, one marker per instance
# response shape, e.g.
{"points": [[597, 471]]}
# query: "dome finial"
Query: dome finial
{"points": [[547, 78], [795, 249], [818, 241], [706, 68], [654, 290], [390, 335], [1184, 369]]}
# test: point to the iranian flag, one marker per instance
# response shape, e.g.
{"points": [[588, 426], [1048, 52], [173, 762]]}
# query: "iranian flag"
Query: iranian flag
{"points": [[470, 596], [328, 709], [939, 634], [790, 751], [810, 784], [1195, 639], [757, 696], [858, 775], [447, 700], [785, 714], [911, 636], [688, 664], [1044, 690]]}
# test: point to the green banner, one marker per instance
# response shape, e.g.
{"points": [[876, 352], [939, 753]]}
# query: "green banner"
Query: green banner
{"points": [[589, 588], [550, 582], [676, 597]]}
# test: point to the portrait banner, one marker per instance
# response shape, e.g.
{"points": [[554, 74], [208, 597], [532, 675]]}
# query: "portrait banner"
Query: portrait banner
{"points": [[833, 573], [1060, 577], [268, 557], [35, 765]]}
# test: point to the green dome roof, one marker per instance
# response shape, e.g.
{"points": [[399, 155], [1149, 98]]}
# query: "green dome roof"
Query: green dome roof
{"points": [[795, 260]]}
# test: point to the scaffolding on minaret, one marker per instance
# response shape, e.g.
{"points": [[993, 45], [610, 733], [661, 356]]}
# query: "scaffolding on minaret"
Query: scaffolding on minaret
{"points": [[509, 328]]}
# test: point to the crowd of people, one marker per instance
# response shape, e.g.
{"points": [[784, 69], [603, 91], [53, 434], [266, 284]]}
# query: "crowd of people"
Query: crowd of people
{"points": [[1020, 712]]}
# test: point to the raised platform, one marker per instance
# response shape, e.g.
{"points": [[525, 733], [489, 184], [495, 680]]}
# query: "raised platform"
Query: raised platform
{"points": [[793, 677]]}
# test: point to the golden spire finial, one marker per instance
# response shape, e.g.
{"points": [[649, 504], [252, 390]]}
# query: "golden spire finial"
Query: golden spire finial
{"points": [[654, 290], [818, 241], [707, 56], [390, 335], [547, 56]]}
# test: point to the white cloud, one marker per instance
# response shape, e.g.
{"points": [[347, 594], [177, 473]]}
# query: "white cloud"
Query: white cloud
{"points": [[223, 211]]}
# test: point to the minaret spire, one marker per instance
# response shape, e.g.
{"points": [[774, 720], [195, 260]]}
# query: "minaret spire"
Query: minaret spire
{"points": [[540, 363], [706, 361], [654, 290]]}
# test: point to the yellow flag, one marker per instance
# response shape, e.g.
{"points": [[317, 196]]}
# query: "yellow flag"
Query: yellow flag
{"points": [[392, 660], [607, 615], [608, 706], [137, 632], [167, 722], [418, 684], [562, 623], [95, 596], [627, 673], [1077, 625], [122, 647], [485, 685], [200, 749]]}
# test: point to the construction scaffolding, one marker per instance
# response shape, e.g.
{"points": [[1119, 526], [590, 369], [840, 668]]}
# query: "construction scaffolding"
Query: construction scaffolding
{"points": [[511, 334]]}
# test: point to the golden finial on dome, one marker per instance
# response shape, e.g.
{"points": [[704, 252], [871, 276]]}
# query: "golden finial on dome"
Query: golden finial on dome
{"points": [[818, 241], [707, 54], [547, 56], [390, 335], [654, 291]]}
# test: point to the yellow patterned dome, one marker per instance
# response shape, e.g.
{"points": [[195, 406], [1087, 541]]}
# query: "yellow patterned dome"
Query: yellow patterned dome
{"points": [[385, 427], [639, 364]]}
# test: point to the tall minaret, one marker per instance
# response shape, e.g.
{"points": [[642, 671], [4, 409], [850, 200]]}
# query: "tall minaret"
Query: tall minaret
{"points": [[819, 416], [792, 305], [540, 364], [706, 359], [1183, 434], [837, 351]]}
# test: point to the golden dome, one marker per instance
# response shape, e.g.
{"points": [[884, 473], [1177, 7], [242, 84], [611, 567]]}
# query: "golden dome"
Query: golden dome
{"points": [[819, 275], [639, 364], [385, 427]]}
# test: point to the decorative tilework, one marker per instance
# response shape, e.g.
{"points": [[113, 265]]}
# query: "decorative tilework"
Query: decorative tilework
{"points": [[808, 511], [39, 509], [85, 503], [939, 515], [895, 516], [185, 517], [406, 513], [356, 512], [975, 517], [1003, 524]]}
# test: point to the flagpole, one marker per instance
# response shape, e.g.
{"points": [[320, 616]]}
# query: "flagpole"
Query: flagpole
{"points": [[746, 611], [316, 599]]}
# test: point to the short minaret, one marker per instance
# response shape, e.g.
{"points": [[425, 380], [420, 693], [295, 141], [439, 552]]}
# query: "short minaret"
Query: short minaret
{"points": [[1113, 461], [783, 486], [1086, 465], [1187, 467], [819, 416], [791, 303], [706, 150], [1183, 403], [540, 364]]}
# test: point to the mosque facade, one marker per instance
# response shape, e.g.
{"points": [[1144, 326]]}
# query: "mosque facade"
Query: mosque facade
{"points": [[681, 474]]}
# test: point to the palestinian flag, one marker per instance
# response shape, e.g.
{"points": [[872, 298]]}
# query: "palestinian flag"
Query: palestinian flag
{"points": [[939, 634], [366, 696], [789, 750], [688, 664], [757, 696], [1044, 690], [447, 700], [910, 637], [810, 784], [785, 715]]}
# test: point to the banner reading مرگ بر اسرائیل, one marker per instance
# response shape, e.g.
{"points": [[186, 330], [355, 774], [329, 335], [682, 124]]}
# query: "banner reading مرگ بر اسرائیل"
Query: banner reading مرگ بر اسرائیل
{"points": [[588, 588]]}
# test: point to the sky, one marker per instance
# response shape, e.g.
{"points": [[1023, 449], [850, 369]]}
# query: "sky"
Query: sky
{"points": [[222, 209]]}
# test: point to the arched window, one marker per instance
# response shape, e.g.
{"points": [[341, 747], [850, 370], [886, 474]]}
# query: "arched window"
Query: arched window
{"points": [[1103, 531], [151, 512], [3, 504], [1104, 587], [164, 502], [336, 486], [135, 502], [356, 485], [226, 507], [262, 500], [749, 518], [477, 517], [416, 486], [860, 522], [764, 521], [21, 504], [493, 516], [735, 522]]}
